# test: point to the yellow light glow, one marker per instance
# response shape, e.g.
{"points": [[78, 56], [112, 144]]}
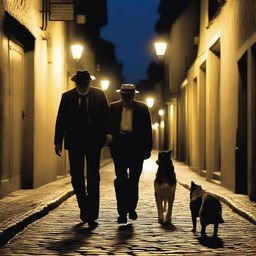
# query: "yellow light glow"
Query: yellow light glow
{"points": [[150, 102], [160, 48], [104, 84], [155, 125], [162, 124], [184, 83], [172, 111], [161, 112], [76, 50]]}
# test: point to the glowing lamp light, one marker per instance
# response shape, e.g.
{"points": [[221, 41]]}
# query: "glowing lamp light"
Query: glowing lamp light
{"points": [[104, 84], [150, 102], [160, 48], [172, 110], [76, 50], [155, 125], [161, 112]]}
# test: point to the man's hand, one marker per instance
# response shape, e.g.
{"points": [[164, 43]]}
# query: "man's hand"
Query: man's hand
{"points": [[58, 149], [109, 138]]}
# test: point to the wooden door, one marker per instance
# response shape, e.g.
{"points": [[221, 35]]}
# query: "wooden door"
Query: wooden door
{"points": [[16, 113]]}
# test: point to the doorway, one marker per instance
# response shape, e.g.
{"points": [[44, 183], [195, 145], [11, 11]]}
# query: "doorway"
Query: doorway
{"points": [[213, 99], [14, 115], [252, 112], [202, 120], [16, 170], [241, 136]]}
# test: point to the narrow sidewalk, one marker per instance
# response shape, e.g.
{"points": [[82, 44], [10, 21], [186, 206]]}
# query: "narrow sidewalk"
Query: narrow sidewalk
{"points": [[22, 207], [237, 202]]}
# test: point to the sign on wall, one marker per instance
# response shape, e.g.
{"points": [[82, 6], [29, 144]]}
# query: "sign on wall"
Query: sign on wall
{"points": [[61, 11]]}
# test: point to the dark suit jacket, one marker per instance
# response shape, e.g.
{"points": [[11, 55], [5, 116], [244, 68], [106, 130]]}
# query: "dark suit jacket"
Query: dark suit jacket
{"points": [[68, 124], [142, 129]]}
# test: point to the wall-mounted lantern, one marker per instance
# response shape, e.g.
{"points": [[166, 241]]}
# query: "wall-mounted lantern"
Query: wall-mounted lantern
{"points": [[77, 51], [155, 125], [104, 84], [150, 102], [160, 48], [161, 112]]}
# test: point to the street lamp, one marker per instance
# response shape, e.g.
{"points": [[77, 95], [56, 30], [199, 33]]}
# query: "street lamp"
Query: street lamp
{"points": [[150, 102], [160, 48], [104, 84], [161, 112], [155, 125], [76, 50]]}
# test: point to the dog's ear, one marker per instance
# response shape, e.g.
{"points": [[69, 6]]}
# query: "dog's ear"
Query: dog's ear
{"points": [[157, 161], [170, 152], [192, 184]]}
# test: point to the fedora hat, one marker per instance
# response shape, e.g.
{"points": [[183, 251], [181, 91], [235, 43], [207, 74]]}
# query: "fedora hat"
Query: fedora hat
{"points": [[127, 88], [82, 75]]}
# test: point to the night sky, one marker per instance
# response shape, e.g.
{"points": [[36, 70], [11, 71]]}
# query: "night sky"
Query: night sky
{"points": [[131, 29]]}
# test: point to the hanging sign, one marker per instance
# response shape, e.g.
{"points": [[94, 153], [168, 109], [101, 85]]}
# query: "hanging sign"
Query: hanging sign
{"points": [[61, 11]]}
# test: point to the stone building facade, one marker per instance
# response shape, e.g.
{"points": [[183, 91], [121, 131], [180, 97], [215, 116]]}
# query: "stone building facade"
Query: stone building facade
{"points": [[35, 67], [211, 61]]}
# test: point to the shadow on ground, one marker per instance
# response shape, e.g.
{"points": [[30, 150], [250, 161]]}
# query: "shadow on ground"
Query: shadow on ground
{"points": [[168, 226], [211, 242], [124, 233], [78, 235]]}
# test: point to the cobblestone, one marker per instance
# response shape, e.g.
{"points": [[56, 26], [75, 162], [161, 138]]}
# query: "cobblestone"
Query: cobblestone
{"points": [[61, 233]]}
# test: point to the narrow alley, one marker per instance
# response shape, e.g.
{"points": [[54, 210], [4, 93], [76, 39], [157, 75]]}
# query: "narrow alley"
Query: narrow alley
{"points": [[84, 83], [61, 233]]}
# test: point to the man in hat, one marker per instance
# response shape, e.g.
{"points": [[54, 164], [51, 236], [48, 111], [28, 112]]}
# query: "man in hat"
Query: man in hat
{"points": [[81, 122], [130, 139]]}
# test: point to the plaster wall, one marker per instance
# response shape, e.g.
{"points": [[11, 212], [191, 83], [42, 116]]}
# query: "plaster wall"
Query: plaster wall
{"points": [[47, 81], [181, 41], [50, 83], [235, 28]]}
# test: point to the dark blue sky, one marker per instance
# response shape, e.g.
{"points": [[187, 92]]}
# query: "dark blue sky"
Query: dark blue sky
{"points": [[131, 28]]}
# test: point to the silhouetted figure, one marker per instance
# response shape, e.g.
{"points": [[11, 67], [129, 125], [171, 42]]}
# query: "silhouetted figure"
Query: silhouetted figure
{"points": [[81, 121], [130, 139]]}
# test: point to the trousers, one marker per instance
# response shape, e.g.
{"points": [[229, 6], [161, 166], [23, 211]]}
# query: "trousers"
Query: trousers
{"points": [[86, 190], [128, 168]]}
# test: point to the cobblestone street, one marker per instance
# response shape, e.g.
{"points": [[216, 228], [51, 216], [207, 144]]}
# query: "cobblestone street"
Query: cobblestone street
{"points": [[61, 233]]}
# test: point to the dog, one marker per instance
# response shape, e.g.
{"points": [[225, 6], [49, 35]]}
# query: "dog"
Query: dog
{"points": [[165, 186], [205, 206]]}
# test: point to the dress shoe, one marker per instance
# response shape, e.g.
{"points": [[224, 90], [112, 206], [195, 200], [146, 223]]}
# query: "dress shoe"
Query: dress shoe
{"points": [[122, 219], [133, 215], [92, 224]]}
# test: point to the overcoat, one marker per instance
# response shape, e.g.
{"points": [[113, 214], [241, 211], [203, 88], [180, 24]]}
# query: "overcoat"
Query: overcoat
{"points": [[68, 124], [142, 129]]}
